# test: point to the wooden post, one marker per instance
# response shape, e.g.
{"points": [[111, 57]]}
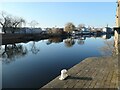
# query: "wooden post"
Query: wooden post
{"points": [[117, 28], [118, 14]]}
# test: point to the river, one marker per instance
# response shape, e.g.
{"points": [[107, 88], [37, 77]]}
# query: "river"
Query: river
{"points": [[33, 64]]}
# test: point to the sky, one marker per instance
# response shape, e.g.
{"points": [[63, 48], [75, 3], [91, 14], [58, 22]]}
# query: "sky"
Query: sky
{"points": [[50, 14]]}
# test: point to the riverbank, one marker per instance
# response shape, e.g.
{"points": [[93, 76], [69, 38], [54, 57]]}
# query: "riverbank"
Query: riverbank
{"points": [[95, 72], [17, 38]]}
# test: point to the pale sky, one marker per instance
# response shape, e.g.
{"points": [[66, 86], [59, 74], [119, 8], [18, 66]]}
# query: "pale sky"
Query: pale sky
{"points": [[50, 14]]}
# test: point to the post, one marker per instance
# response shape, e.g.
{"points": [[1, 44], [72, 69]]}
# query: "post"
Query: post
{"points": [[118, 14], [117, 40], [117, 29]]}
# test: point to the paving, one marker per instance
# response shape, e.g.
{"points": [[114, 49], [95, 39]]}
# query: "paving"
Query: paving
{"points": [[95, 72]]}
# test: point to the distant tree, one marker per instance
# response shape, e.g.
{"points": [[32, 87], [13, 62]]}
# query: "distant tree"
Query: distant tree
{"points": [[9, 21], [33, 24], [89, 28], [81, 26], [49, 30], [69, 27], [56, 31]]}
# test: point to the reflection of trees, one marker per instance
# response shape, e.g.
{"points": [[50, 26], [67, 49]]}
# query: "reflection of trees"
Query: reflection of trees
{"points": [[69, 42], [11, 52], [108, 49], [81, 42], [33, 24], [34, 49], [54, 40]]}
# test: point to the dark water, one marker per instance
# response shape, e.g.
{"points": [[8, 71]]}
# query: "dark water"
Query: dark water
{"points": [[35, 63]]}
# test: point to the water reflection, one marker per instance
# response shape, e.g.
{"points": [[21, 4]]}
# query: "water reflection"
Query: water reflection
{"points": [[108, 48], [69, 42], [34, 48], [117, 41], [54, 55], [54, 40], [80, 42], [12, 52], [106, 36]]}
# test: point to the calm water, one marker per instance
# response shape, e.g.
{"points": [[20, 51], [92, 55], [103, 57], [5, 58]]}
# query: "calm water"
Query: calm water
{"points": [[35, 63]]}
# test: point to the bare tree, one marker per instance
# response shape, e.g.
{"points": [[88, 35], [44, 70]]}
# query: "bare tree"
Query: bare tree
{"points": [[33, 24], [69, 27], [81, 26], [18, 22], [9, 21]]}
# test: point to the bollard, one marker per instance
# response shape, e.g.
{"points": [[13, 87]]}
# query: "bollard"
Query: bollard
{"points": [[63, 74]]}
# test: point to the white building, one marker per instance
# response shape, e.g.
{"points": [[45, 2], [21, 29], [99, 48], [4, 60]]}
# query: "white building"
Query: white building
{"points": [[82, 31], [29, 30]]}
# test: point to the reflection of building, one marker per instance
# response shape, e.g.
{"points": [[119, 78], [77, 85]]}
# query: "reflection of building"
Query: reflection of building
{"points": [[106, 36], [82, 38], [24, 30]]}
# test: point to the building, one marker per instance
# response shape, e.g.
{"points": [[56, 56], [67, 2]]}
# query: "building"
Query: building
{"points": [[107, 30], [29, 30], [82, 31]]}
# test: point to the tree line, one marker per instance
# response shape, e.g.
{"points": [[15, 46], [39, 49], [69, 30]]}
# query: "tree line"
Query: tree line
{"points": [[12, 23]]}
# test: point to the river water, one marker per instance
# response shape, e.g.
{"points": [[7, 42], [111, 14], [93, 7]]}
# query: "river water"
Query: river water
{"points": [[33, 64]]}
